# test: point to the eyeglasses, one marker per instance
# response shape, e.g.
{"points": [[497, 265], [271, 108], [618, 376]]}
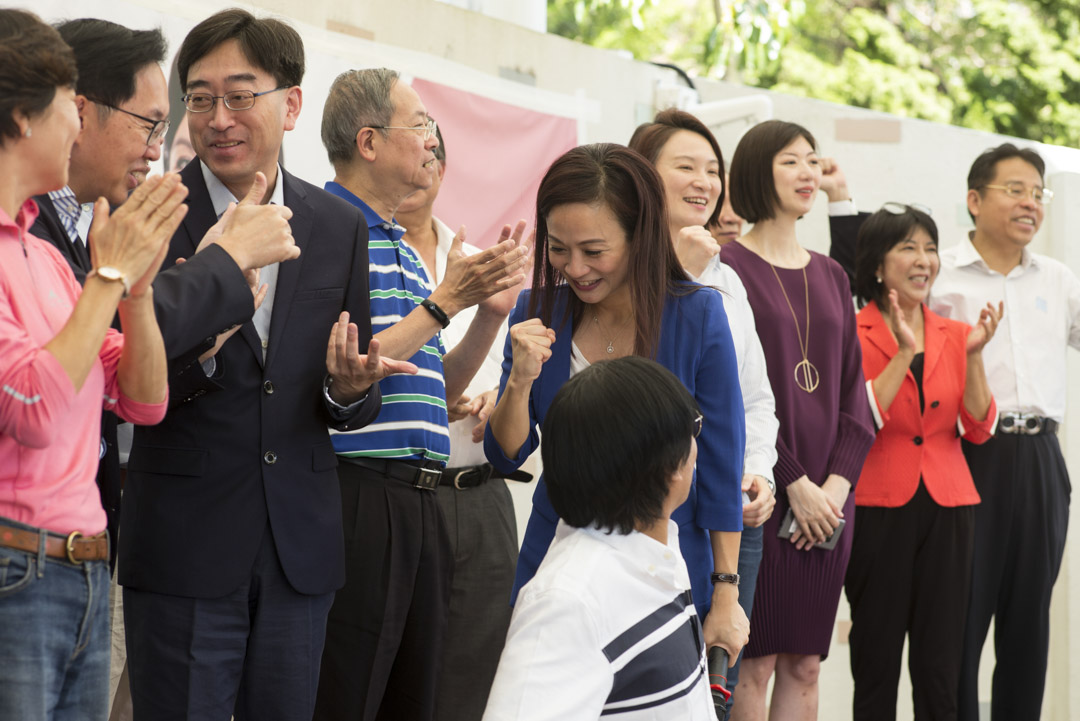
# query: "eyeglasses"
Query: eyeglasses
{"points": [[427, 128], [1042, 196], [901, 208], [698, 423], [234, 100], [158, 128]]}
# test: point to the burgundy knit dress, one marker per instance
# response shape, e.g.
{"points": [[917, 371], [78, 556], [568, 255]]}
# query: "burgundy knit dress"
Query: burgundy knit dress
{"points": [[827, 431]]}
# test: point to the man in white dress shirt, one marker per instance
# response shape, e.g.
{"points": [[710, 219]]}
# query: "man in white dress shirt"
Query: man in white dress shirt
{"points": [[1020, 474], [607, 626]]}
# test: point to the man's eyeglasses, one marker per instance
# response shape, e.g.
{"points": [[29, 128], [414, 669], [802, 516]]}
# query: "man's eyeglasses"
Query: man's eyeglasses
{"points": [[1042, 196], [234, 100], [158, 128], [901, 208], [427, 128], [698, 423]]}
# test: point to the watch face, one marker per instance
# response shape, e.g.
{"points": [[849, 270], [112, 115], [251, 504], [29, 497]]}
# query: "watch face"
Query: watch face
{"points": [[109, 273]]}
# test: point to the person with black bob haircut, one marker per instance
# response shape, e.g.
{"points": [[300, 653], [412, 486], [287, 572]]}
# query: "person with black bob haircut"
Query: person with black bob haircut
{"points": [[909, 574], [608, 619]]}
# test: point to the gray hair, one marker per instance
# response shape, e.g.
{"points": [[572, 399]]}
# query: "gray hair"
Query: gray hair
{"points": [[357, 99]]}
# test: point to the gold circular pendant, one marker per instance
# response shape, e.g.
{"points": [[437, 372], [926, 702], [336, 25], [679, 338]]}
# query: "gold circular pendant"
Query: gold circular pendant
{"points": [[806, 376]]}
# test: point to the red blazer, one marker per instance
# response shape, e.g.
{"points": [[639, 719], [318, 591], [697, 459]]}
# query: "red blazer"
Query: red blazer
{"points": [[911, 444]]}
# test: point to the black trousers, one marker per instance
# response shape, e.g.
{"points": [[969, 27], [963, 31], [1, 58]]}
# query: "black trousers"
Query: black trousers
{"points": [[1019, 542], [387, 627], [908, 576]]}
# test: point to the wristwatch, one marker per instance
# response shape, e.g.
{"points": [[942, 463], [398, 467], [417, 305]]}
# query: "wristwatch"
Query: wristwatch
{"points": [[111, 275], [732, 578], [772, 485]]}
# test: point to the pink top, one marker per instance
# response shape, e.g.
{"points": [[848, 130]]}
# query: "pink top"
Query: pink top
{"points": [[50, 435]]}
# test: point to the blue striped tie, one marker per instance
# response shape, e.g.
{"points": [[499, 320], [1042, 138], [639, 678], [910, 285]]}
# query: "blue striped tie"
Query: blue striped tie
{"points": [[69, 210]]}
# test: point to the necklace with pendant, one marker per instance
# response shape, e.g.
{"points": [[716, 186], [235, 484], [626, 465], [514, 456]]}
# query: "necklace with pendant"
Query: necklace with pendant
{"points": [[603, 333], [806, 374]]}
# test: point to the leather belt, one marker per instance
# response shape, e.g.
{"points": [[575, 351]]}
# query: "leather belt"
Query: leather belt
{"points": [[466, 477], [75, 548], [418, 474], [1026, 424]]}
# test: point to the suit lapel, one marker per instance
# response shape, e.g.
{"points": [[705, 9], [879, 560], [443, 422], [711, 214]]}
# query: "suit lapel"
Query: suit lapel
{"points": [[879, 334], [933, 341], [289, 271], [201, 216]]}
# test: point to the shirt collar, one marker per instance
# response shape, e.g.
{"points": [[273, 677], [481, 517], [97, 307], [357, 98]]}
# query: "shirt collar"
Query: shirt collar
{"points": [[968, 255], [220, 196], [25, 218], [374, 220], [652, 557]]}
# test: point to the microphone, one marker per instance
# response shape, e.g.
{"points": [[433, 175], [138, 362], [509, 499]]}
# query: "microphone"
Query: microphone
{"points": [[718, 669]]}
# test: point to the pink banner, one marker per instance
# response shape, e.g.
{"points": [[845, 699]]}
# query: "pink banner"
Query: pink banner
{"points": [[496, 155]]}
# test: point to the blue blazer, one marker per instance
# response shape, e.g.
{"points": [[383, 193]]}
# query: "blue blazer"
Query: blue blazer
{"points": [[695, 344]]}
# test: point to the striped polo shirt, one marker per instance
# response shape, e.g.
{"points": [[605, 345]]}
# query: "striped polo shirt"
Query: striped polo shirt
{"points": [[606, 628], [412, 424]]}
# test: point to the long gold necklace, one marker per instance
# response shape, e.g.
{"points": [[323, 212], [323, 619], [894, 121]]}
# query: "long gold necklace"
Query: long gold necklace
{"points": [[806, 375], [611, 342]]}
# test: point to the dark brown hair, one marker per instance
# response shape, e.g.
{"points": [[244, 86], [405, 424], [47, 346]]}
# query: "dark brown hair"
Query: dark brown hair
{"points": [[984, 169], [268, 43], [650, 138], [34, 62], [753, 189], [624, 181]]}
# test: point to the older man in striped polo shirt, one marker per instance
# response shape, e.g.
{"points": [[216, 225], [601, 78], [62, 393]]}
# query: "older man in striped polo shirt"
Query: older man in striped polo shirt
{"points": [[385, 633]]}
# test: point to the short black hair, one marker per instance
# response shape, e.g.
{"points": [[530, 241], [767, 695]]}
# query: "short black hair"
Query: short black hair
{"points": [[609, 452], [440, 149], [268, 43], [984, 169], [109, 56], [753, 189], [879, 234], [34, 62]]}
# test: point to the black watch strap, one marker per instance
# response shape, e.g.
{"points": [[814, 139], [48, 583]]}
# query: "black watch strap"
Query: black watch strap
{"points": [[732, 578], [436, 312]]}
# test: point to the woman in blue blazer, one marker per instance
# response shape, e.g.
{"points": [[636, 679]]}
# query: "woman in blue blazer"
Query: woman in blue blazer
{"points": [[607, 284]]}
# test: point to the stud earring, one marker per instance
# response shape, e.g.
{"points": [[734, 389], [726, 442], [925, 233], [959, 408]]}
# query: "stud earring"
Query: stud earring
{"points": [[879, 279], [29, 131]]}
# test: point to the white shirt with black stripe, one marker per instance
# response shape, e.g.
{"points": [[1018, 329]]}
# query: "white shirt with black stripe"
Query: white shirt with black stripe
{"points": [[606, 629]]}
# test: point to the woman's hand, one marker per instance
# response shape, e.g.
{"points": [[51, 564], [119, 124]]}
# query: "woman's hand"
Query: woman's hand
{"points": [[695, 247], [984, 330], [905, 336], [530, 342], [816, 511]]}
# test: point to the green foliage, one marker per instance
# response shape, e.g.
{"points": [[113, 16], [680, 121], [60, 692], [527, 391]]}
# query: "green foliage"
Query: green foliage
{"points": [[1007, 66]]}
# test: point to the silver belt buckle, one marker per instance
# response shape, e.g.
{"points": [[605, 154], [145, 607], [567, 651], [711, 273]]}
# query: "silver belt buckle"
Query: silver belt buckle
{"points": [[427, 478]]}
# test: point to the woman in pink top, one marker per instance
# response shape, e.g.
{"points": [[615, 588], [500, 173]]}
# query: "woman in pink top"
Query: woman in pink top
{"points": [[59, 364]]}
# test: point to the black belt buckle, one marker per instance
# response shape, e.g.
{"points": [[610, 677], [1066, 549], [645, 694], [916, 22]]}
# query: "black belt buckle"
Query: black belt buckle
{"points": [[466, 478], [427, 478]]}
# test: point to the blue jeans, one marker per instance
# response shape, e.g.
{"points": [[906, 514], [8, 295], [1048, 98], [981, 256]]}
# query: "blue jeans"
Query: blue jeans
{"points": [[749, 561], [54, 636]]}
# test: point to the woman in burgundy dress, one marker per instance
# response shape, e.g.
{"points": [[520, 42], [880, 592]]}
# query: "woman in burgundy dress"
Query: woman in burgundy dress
{"points": [[806, 322]]}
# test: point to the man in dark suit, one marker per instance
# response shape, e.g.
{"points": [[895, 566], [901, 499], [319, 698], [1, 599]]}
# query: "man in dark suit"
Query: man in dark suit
{"points": [[231, 537]]}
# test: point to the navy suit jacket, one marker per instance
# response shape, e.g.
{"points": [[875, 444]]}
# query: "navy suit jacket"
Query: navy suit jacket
{"points": [[248, 451]]}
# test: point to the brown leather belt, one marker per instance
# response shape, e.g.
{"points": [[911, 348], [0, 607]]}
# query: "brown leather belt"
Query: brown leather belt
{"points": [[75, 548]]}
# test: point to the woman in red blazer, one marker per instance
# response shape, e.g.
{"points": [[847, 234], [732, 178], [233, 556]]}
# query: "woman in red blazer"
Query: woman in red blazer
{"points": [[910, 565]]}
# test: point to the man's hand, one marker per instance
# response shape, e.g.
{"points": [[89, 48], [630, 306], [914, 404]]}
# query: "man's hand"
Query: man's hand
{"points": [[259, 292], [726, 625], [695, 247], [762, 501], [833, 182], [254, 235], [351, 373], [471, 279], [483, 405], [500, 304]]}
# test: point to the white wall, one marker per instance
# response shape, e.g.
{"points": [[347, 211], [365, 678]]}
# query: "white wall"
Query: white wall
{"points": [[885, 158]]}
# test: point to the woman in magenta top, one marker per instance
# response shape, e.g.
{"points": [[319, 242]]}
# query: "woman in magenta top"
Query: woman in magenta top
{"points": [[60, 363], [806, 323]]}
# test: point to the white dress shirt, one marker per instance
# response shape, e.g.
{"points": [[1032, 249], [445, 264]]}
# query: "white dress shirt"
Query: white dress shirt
{"points": [[605, 628], [758, 401], [1025, 360], [463, 451]]}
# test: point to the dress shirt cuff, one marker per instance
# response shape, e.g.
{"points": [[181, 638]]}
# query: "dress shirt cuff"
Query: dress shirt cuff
{"points": [[843, 207], [880, 416], [338, 411], [209, 366]]}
